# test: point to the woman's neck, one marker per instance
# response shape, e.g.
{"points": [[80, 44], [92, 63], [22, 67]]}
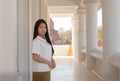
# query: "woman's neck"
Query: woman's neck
{"points": [[42, 36]]}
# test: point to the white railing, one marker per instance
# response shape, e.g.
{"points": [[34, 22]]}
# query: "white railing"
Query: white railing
{"points": [[83, 51], [115, 60], [97, 53]]}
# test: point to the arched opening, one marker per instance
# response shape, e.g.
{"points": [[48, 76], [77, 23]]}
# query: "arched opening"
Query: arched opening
{"points": [[99, 25], [61, 35]]}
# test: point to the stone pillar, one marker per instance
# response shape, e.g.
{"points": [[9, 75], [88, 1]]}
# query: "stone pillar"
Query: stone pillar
{"points": [[23, 38], [8, 40], [31, 27], [75, 39], [46, 12], [42, 9], [91, 29], [39, 9], [111, 37], [47, 16], [34, 10], [82, 30]]}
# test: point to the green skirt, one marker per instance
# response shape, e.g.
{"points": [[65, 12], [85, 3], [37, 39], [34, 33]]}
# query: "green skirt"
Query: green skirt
{"points": [[41, 76]]}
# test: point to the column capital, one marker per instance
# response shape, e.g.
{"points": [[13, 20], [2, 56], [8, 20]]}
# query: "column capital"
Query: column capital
{"points": [[74, 18], [81, 10]]}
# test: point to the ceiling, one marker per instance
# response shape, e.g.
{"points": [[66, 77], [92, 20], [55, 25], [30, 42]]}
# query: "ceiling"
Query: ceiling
{"points": [[61, 10], [62, 7], [63, 2]]}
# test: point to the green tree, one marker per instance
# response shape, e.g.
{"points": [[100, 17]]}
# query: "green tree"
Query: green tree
{"points": [[100, 33], [65, 36], [100, 45]]}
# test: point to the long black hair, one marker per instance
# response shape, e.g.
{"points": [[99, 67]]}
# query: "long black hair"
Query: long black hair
{"points": [[37, 24]]}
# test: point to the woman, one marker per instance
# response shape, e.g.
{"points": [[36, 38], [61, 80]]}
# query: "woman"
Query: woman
{"points": [[42, 52]]}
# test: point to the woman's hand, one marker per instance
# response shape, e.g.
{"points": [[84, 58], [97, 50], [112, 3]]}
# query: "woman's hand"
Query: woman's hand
{"points": [[53, 63], [50, 64]]}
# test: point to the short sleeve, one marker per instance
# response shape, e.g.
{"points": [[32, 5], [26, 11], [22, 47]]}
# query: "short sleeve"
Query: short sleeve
{"points": [[35, 47]]}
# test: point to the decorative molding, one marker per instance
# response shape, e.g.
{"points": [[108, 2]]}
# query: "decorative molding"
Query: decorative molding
{"points": [[91, 1], [81, 10]]}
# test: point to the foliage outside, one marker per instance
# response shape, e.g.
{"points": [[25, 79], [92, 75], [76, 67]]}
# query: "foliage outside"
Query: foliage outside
{"points": [[100, 40], [65, 37]]}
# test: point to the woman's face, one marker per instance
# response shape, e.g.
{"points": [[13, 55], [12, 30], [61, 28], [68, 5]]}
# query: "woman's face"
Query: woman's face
{"points": [[42, 29]]}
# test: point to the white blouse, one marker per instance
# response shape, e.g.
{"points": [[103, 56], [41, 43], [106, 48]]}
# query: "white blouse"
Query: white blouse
{"points": [[44, 50]]}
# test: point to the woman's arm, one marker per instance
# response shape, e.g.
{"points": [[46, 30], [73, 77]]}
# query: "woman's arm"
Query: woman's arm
{"points": [[41, 60], [53, 63]]}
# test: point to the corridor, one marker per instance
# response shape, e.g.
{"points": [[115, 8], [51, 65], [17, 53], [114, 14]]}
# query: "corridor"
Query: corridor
{"points": [[17, 19], [69, 70]]}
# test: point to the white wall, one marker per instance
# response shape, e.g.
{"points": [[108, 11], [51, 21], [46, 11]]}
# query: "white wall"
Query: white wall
{"points": [[8, 40], [61, 50]]}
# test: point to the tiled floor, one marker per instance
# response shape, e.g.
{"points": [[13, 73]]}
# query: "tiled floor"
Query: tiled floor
{"points": [[69, 70]]}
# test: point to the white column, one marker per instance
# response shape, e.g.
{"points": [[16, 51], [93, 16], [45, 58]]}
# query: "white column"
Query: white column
{"points": [[8, 40], [91, 29], [34, 15], [39, 9], [75, 39], [111, 37], [47, 16], [82, 30], [23, 38], [46, 11], [34, 10], [48, 23], [42, 9]]}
